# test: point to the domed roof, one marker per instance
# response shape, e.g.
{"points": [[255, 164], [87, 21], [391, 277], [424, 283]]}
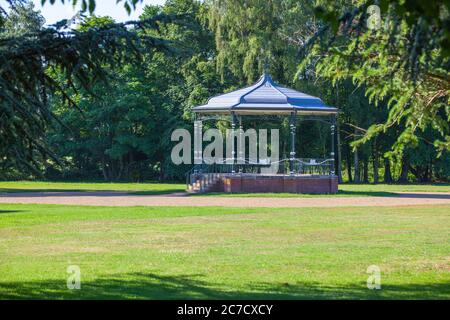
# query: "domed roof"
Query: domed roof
{"points": [[265, 97]]}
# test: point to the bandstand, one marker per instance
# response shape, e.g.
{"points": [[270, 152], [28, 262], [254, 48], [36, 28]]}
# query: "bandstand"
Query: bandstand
{"points": [[241, 174]]}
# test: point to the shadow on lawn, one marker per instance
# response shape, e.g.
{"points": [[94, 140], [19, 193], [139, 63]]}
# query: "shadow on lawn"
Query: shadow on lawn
{"points": [[422, 195], [341, 193], [10, 211], [296, 195], [152, 286], [32, 193]]}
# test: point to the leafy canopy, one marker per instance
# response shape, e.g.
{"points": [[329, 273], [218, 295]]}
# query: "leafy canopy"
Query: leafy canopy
{"points": [[403, 64]]}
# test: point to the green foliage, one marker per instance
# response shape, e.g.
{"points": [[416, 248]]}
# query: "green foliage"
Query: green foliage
{"points": [[251, 36], [391, 85], [403, 65], [79, 56], [123, 132], [21, 20], [89, 5]]}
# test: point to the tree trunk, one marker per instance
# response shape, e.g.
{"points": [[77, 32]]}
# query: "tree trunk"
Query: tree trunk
{"points": [[356, 165], [375, 164], [338, 150], [161, 172], [121, 168], [349, 165], [431, 171], [387, 171], [405, 167], [426, 174], [104, 169], [366, 171]]}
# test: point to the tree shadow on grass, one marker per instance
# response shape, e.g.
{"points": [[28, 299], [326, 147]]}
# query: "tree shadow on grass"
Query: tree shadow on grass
{"points": [[367, 193], [341, 193], [153, 286], [416, 195], [11, 191], [170, 192], [305, 195], [11, 211], [425, 195], [34, 193]]}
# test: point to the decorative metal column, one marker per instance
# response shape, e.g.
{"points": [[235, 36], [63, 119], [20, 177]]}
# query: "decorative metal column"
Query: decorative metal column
{"points": [[198, 152], [333, 138], [338, 153], [233, 149], [292, 127], [241, 145]]}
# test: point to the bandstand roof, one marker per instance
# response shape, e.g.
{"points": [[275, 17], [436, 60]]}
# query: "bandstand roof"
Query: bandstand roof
{"points": [[265, 97]]}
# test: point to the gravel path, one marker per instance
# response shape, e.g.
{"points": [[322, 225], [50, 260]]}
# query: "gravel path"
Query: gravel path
{"points": [[180, 199]]}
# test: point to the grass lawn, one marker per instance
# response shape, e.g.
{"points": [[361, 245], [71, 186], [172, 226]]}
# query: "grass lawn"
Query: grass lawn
{"points": [[166, 253], [345, 190]]}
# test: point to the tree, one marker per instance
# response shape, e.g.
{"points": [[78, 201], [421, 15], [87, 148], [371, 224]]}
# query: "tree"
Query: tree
{"points": [[89, 5], [22, 19], [179, 54], [123, 130], [402, 64], [80, 56]]}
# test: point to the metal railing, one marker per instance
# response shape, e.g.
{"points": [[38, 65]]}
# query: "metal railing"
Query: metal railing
{"points": [[206, 173], [309, 166]]}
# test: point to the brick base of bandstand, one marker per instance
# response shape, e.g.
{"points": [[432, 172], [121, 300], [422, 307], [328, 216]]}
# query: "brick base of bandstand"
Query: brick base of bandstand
{"points": [[277, 184]]}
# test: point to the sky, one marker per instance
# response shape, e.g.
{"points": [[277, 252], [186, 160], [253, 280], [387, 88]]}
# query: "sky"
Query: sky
{"points": [[58, 11]]}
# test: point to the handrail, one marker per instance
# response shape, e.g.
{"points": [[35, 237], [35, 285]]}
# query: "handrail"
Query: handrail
{"points": [[286, 166], [301, 160]]}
